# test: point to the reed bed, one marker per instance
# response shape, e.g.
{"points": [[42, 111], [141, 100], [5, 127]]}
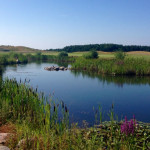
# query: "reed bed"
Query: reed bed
{"points": [[13, 58], [128, 66], [43, 124]]}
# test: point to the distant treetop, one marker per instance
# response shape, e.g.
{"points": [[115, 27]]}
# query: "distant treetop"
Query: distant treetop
{"points": [[103, 47]]}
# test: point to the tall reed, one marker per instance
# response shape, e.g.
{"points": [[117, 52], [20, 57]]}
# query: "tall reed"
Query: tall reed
{"points": [[13, 58], [42, 123], [128, 66]]}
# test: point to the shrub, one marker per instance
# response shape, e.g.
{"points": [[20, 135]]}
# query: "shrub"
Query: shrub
{"points": [[120, 55], [63, 54], [92, 54], [38, 55], [13, 55], [22, 58], [44, 57], [3, 59]]}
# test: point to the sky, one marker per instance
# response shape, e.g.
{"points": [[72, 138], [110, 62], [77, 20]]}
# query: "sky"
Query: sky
{"points": [[46, 24]]}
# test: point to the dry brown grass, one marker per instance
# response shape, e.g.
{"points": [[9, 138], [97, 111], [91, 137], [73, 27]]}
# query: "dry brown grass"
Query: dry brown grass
{"points": [[138, 53], [20, 49]]}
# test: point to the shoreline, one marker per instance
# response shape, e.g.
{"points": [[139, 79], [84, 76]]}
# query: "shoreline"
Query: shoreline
{"points": [[36, 124]]}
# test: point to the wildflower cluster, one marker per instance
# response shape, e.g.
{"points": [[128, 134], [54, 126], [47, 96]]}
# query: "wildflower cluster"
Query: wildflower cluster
{"points": [[128, 127]]}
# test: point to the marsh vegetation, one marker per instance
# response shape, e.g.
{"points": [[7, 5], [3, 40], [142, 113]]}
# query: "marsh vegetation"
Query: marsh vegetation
{"points": [[42, 123]]}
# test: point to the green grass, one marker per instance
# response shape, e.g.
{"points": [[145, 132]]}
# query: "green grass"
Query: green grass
{"points": [[43, 123], [38, 125], [107, 55], [129, 66], [11, 58], [104, 55], [80, 54], [133, 64]]}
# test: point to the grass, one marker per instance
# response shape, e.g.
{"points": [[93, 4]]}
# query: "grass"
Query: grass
{"points": [[133, 64], [105, 55], [11, 58], [129, 66], [20, 49], [41, 123]]}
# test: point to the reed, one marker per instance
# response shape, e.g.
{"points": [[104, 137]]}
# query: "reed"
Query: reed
{"points": [[42, 123], [128, 66], [13, 58]]}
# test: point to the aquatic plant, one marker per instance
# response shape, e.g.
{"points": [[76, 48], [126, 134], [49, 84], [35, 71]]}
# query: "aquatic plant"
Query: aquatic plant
{"points": [[42, 123], [13, 58], [130, 66]]}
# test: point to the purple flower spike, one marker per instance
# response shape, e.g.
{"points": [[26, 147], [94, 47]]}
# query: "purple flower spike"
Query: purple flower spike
{"points": [[128, 127]]}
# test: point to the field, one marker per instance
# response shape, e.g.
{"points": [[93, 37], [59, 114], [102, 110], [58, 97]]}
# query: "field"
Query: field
{"points": [[109, 55], [135, 54]]}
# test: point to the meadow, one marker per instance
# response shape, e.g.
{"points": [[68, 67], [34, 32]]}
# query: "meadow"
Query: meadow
{"points": [[25, 50], [109, 55]]}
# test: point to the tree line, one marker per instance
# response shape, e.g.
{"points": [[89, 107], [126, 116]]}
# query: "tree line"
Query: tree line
{"points": [[103, 47]]}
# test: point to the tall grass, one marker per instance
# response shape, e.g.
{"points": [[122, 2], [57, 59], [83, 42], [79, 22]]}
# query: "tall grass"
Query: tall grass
{"points": [[129, 66], [12, 58], [42, 123]]}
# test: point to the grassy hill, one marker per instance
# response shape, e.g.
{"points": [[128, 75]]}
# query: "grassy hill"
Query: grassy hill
{"points": [[20, 49]]}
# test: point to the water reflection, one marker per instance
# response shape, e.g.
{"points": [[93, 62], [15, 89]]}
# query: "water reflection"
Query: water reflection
{"points": [[117, 80], [83, 91]]}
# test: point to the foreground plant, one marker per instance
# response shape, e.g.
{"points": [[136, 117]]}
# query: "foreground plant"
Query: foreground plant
{"points": [[43, 124], [128, 127]]}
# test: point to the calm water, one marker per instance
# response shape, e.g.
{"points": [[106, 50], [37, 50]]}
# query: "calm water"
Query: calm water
{"points": [[82, 91]]}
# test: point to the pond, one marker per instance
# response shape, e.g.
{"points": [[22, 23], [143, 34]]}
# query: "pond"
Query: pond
{"points": [[84, 92]]}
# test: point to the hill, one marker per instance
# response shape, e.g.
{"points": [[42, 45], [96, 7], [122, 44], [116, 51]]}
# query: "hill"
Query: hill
{"points": [[21, 49]]}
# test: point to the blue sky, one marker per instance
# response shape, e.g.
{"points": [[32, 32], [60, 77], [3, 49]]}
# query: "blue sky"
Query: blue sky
{"points": [[57, 23]]}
